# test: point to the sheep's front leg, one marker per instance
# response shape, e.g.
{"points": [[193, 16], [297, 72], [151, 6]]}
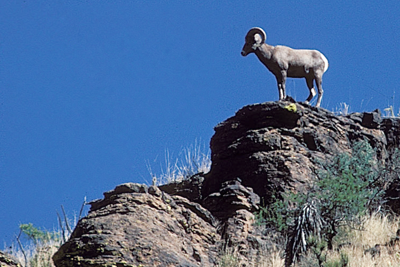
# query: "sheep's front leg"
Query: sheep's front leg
{"points": [[281, 85], [281, 88]]}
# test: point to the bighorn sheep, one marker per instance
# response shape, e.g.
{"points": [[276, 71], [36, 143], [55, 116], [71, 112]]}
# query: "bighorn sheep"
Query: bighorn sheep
{"points": [[285, 62]]}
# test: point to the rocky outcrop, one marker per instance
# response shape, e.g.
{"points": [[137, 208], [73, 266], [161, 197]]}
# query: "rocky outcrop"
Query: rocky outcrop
{"points": [[264, 149], [139, 226], [277, 146]]}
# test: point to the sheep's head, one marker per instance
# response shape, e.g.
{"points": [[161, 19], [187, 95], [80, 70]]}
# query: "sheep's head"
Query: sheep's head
{"points": [[254, 38]]}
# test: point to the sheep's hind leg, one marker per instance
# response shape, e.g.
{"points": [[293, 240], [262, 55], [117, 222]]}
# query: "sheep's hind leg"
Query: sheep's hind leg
{"points": [[310, 86], [318, 81]]}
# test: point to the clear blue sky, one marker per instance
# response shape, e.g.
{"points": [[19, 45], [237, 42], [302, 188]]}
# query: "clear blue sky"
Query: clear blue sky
{"points": [[92, 90]]}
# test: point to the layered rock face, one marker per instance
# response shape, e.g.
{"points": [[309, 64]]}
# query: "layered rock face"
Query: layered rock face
{"points": [[278, 146], [139, 226], [263, 149]]}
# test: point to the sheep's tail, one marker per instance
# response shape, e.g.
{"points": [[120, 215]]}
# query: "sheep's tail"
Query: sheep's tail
{"points": [[326, 64]]}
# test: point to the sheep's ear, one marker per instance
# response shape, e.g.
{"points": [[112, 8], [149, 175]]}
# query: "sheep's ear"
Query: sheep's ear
{"points": [[257, 38]]}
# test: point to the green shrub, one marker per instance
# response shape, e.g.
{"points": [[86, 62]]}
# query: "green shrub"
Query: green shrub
{"points": [[277, 215], [346, 187], [39, 246], [38, 236]]}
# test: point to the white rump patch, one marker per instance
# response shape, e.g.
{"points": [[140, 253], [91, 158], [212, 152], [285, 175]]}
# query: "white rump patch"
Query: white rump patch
{"points": [[326, 64]]}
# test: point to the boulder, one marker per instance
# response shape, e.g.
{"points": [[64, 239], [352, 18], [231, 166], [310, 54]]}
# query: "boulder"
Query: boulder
{"points": [[136, 225]]}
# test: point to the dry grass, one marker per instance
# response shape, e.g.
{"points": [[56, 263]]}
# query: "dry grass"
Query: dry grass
{"points": [[357, 258], [376, 230], [271, 258], [38, 255], [359, 245], [343, 109], [190, 161], [274, 259], [34, 247]]}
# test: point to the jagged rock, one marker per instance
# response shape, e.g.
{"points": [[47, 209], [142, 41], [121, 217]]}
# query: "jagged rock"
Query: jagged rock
{"points": [[264, 149], [7, 261], [231, 198], [190, 188], [273, 148], [138, 226], [391, 128], [392, 195]]}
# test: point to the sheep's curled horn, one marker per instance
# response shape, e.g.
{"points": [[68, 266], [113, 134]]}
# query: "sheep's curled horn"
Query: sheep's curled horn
{"points": [[257, 30]]}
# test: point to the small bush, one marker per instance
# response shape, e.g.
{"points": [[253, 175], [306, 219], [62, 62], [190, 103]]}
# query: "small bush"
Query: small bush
{"points": [[35, 247], [38, 236], [346, 188]]}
